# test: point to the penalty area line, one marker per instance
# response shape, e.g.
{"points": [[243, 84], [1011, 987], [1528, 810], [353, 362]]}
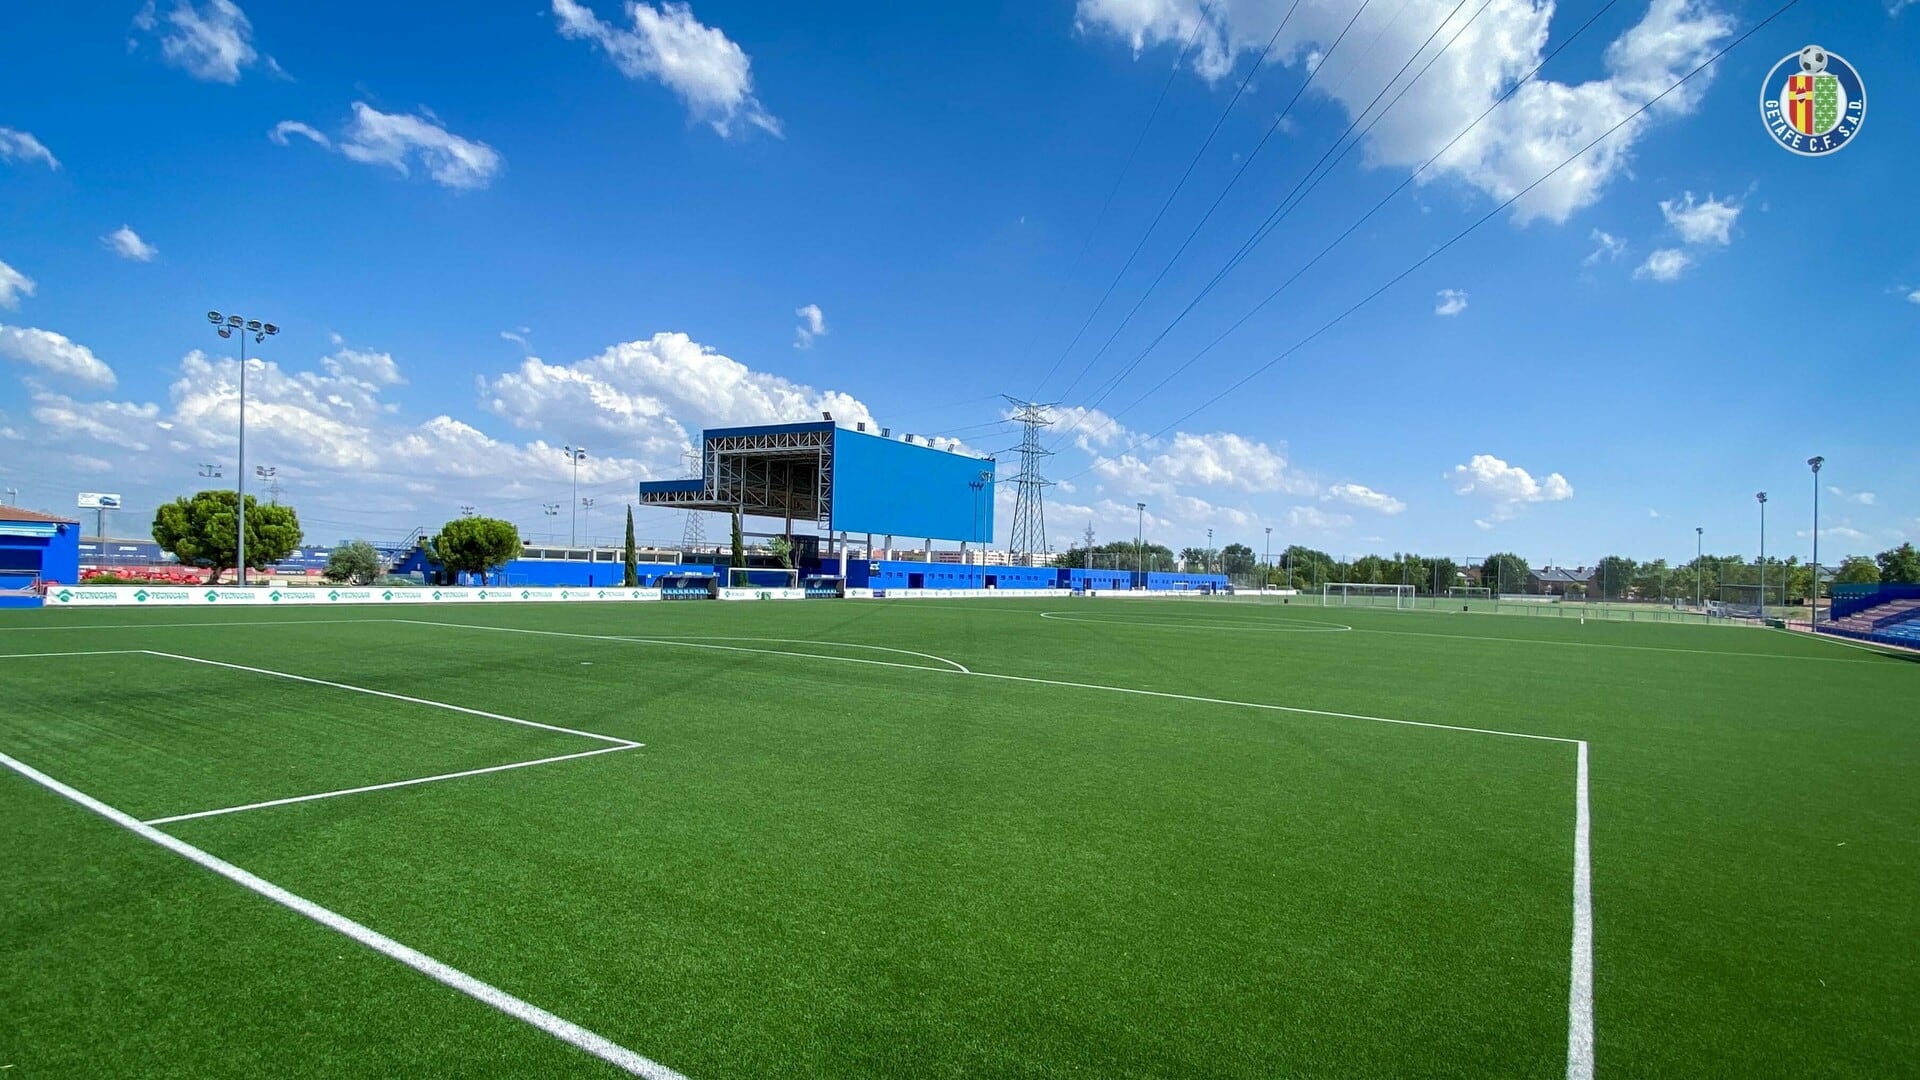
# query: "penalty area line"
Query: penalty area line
{"points": [[389, 785], [624, 743], [445, 974]]}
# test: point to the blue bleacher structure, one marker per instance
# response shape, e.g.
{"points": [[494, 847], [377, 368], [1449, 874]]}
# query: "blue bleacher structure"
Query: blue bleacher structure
{"points": [[1887, 614]]}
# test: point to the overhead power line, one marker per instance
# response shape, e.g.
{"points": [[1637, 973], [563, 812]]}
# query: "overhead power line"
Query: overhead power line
{"points": [[1261, 369], [1245, 163], [1177, 187], [1307, 183]]}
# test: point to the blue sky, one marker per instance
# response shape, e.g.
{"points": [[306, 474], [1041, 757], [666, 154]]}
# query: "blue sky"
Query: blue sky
{"points": [[493, 230]]}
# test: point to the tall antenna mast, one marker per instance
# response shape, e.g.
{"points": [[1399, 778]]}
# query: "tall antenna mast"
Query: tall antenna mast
{"points": [[1029, 512]]}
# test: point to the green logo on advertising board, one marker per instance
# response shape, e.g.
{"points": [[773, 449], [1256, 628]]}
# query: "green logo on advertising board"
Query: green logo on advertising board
{"points": [[274, 596], [333, 595], [212, 596], [388, 595], [140, 596], [436, 594], [63, 596]]}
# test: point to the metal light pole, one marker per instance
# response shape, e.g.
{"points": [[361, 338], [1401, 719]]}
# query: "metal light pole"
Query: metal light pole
{"points": [[551, 510], [1699, 540], [13, 496], [575, 454], [977, 485], [1813, 601], [1209, 568], [1269, 555], [225, 327], [270, 474], [1139, 548], [586, 506], [1762, 497]]}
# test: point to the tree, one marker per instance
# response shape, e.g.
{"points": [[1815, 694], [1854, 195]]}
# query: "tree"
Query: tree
{"points": [[475, 545], [1614, 577], [1238, 559], [354, 562], [1899, 566], [739, 559], [781, 549], [203, 531], [1857, 570], [1194, 558], [630, 556], [1504, 572]]}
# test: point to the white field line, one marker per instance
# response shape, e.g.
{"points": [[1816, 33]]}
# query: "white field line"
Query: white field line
{"points": [[388, 785], [688, 638], [1298, 710], [89, 652], [1580, 986], [687, 643], [1289, 626], [565, 1030], [625, 743]]}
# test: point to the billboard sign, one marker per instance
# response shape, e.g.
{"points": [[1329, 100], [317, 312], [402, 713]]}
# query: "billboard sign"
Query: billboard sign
{"points": [[99, 500]]}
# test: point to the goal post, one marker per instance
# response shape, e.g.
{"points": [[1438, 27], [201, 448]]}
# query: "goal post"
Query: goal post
{"points": [[1469, 592], [762, 577], [1360, 594]]}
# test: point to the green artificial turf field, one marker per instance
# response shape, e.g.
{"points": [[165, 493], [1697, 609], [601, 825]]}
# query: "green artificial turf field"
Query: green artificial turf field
{"points": [[951, 839]]}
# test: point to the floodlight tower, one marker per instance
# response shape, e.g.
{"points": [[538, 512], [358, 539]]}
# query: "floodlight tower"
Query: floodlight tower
{"points": [[575, 454], [1813, 600], [1699, 541], [586, 507], [225, 325], [1139, 546], [1761, 497]]}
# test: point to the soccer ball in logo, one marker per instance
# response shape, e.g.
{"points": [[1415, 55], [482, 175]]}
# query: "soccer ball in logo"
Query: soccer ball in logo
{"points": [[1813, 102], [1813, 60]]}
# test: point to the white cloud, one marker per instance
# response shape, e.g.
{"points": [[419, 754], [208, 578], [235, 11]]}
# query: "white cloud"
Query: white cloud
{"points": [[1219, 459], [813, 324], [213, 42], [13, 286], [1895, 7], [1311, 517], [1833, 532], [401, 142], [294, 127], [1544, 123], [54, 353], [1452, 302], [1506, 486], [1709, 222], [115, 423], [653, 393], [1653, 513], [1914, 296], [1361, 495], [1666, 264], [127, 244], [710, 74], [1483, 524], [519, 338], [1864, 498], [1090, 429], [22, 146], [1609, 249]]}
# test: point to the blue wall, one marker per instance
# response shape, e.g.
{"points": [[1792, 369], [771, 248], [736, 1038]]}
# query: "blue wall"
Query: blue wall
{"points": [[566, 572], [898, 574], [891, 488], [49, 550]]}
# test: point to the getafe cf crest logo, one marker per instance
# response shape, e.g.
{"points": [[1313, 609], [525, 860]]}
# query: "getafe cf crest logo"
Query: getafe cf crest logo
{"points": [[1813, 102]]}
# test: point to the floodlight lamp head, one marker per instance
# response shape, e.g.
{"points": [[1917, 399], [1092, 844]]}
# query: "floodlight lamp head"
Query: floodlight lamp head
{"points": [[1760, 495], [225, 333], [253, 324], [214, 317], [234, 320], [1815, 462], [271, 329]]}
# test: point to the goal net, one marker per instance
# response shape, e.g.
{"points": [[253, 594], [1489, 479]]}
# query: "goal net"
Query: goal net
{"points": [[1469, 592], [1356, 594], [762, 577]]}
